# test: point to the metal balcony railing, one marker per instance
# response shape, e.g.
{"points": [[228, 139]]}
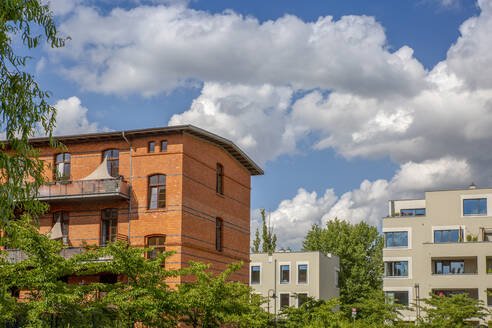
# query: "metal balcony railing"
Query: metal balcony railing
{"points": [[66, 190]]}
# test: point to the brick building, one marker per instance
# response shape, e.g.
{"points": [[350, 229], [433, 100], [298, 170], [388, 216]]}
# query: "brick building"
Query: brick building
{"points": [[180, 188]]}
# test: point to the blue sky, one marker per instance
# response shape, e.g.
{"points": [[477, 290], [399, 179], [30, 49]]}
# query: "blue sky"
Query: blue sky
{"points": [[345, 104]]}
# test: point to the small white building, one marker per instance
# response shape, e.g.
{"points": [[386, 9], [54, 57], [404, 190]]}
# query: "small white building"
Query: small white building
{"points": [[286, 278]]}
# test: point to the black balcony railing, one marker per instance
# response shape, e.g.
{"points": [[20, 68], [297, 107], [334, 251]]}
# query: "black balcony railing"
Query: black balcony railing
{"points": [[65, 190]]}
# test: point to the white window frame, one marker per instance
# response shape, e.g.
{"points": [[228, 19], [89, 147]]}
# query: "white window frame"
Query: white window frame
{"points": [[252, 264], [297, 299], [399, 259], [307, 273], [280, 273], [402, 229], [451, 227], [488, 197], [401, 289]]}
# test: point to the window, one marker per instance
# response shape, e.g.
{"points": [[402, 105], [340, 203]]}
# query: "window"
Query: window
{"points": [[109, 225], [255, 274], [113, 158], [219, 188], [399, 297], [163, 145], [449, 267], [396, 239], [284, 300], [151, 147], [489, 297], [218, 234], [448, 236], [285, 274], [62, 166], [108, 278], [157, 191], [301, 299], [157, 242], [396, 269], [413, 212], [302, 272], [475, 206], [62, 218]]}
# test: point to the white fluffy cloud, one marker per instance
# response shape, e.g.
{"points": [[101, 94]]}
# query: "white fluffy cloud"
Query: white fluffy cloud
{"points": [[71, 118], [150, 49], [294, 217]]}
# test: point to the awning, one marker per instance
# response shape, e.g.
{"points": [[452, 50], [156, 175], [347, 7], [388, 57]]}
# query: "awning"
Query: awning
{"points": [[56, 231], [100, 173]]}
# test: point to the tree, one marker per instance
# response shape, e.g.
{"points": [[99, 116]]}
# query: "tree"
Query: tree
{"points": [[452, 311], [359, 248], [24, 107], [256, 243], [269, 238]]}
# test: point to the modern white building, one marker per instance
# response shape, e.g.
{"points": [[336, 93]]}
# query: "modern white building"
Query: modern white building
{"points": [[287, 278], [440, 244]]}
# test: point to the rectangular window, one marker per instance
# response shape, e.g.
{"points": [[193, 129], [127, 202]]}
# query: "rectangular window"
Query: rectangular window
{"points": [[163, 145], [284, 300], [113, 160], [302, 272], [285, 274], [158, 243], [109, 225], [396, 269], [62, 166], [255, 274], [396, 239], [157, 191], [151, 147], [448, 236], [301, 299], [449, 267], [413, 212], [476, 206], [218, 234], [219, 187], [399, 297]]}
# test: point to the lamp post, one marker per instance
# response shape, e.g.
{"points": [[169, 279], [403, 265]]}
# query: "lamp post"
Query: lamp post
{"points": [[417, 299]]}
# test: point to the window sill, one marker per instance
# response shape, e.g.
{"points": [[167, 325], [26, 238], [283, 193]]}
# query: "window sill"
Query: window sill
{"points": [[219, 194], [150, 210]]}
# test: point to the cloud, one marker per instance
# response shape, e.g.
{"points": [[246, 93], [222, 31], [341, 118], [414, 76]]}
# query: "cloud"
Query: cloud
{"points": [[153, 49], [71, 118], [294, 217]]}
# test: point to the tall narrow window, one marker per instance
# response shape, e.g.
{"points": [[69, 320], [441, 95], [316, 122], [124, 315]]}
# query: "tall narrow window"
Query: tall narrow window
{"points": [[284, 300], [151, 147], [157, 242], [301, 299], [219, 188], [113, 158], [163, 145], [60, 226], [302, 272], [62, 166], [285, 274], [157, 191], [109, 225], [255, 274], [218, 234]]}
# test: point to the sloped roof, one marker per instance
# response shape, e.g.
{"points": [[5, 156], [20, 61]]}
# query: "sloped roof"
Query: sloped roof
{"points": [[227, 145]]}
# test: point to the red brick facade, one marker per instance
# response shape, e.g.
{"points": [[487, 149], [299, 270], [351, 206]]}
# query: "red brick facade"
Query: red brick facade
{"points": [[188, 220]]}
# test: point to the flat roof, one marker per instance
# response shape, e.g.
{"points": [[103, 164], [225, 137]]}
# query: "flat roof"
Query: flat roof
{"points": [[227, 145]]}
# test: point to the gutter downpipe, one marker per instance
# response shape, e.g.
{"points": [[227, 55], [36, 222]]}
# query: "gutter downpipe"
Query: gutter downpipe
{"points": [[129, 189]]}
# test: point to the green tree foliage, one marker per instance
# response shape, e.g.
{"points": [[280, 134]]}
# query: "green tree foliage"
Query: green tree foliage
{"points": [[213, 301], [23, 105], [256, 243], [359, 247], [269, 238], [455, 311]]}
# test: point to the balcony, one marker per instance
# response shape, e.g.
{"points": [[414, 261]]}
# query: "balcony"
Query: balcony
{"points": [[454, 266], [102, 189]]}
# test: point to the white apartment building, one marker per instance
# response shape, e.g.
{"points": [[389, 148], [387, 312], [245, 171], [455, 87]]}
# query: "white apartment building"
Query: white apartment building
{"points": [[441, 244], [287, 278]]}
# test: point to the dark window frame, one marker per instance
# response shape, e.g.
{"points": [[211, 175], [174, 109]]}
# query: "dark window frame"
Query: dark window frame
{"points": [[444, 236], [395, 298], [299, 275], [302, 298], [389, 236], [391, 269], [113, 158], [282, 298], [219, 231], [163, 149], [449, 264], [219, 177], [281, 271], [161, 194], [66, 164], [151, 147], [158, 248], [111, 221], [412, 212]]}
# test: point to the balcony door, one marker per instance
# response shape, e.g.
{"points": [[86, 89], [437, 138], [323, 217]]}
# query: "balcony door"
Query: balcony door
{"points": [[109, 225]]}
